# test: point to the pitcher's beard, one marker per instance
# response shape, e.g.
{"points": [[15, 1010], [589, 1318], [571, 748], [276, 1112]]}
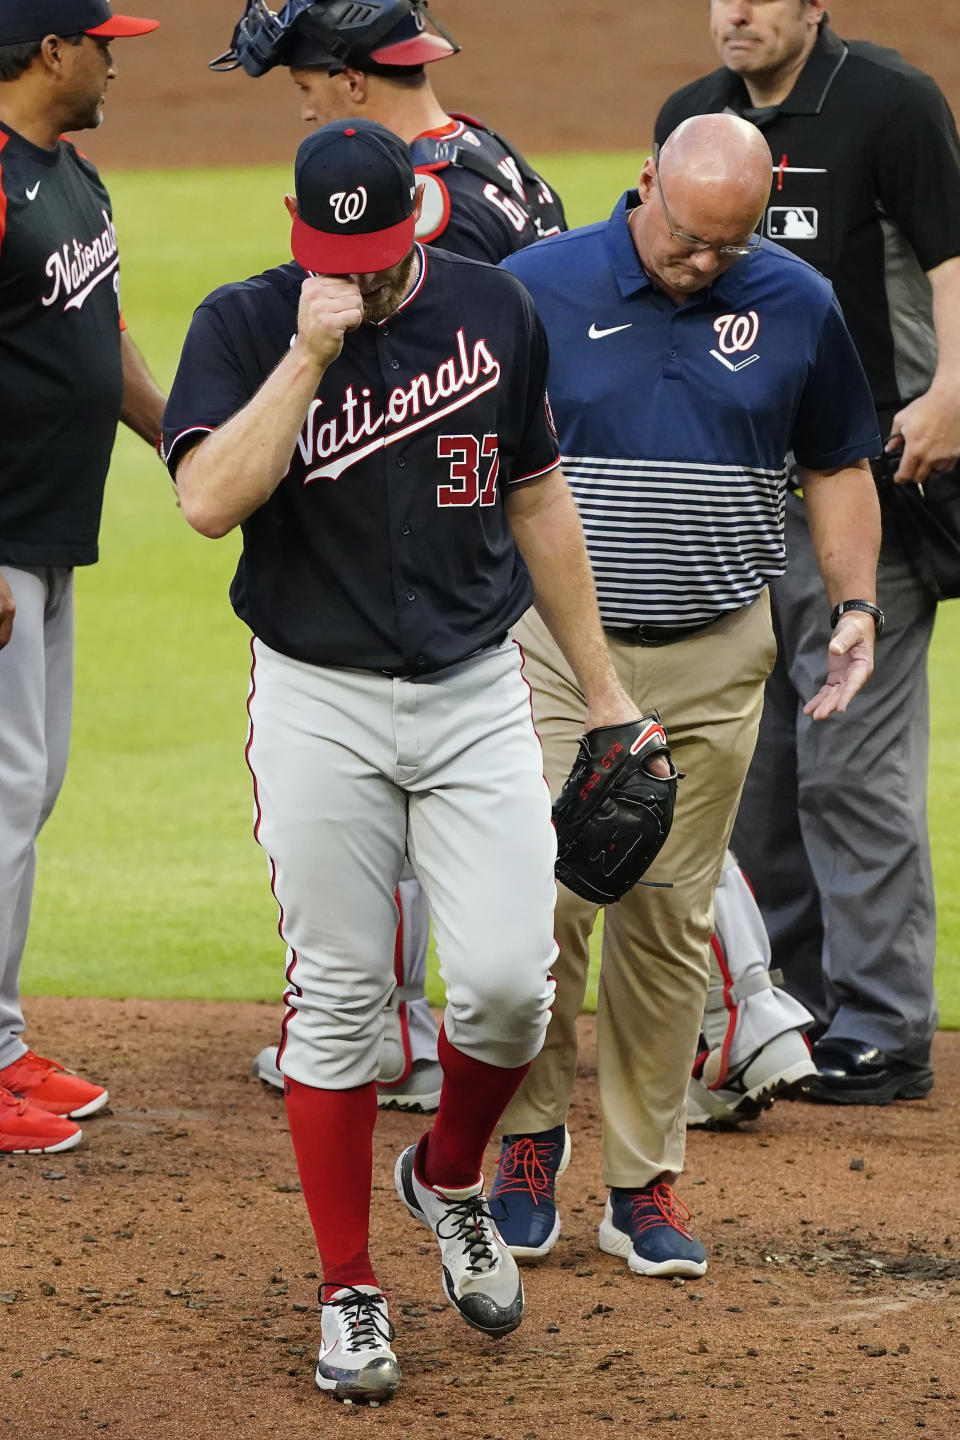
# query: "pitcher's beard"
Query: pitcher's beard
{"points": [[385, 300]]}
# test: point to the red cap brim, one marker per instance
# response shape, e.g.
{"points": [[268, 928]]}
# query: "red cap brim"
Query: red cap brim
{"points": [[351, 254], [418, 51], [120, 26]]}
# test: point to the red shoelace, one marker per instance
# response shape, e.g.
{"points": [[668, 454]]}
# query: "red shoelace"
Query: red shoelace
{"points": [[17, 1102], [38, 1066], [522, 1167], [662, 1205]]}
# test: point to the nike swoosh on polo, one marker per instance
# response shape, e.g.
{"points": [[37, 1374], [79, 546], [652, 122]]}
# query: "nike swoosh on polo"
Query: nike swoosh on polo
{"points": [[596, 334], [32, 194]]}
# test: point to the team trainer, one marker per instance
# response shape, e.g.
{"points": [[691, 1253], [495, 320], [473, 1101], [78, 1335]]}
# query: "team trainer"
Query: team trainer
{"points": [[686, 359]]}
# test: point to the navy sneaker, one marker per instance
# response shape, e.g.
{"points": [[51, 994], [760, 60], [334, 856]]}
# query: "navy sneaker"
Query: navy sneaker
{"points": [[648, 1229], [527, 1213]]}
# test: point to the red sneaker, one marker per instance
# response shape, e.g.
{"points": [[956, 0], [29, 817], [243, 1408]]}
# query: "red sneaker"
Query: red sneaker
{"points": [[25, 1129], [51, 1087]]}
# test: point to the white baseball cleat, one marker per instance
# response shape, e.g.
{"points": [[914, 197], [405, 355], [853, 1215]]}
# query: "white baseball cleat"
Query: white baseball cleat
{"points": [[780, 1068], [480, 1276], [419, 1092], [265, 1067], [356, 1364]]}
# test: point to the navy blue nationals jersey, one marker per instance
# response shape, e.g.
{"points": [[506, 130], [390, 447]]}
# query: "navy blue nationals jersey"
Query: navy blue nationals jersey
{"points": [[481, 197], [61, 382], [386, 546]]}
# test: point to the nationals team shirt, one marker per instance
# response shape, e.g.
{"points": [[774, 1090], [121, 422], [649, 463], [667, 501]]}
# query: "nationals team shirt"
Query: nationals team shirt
{"points": [[675, 420], [386, 546], [61, 382]]}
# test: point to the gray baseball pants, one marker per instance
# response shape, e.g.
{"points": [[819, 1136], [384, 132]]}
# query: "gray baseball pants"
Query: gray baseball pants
{"points": [[354, 770], [36, 697], [832, 827]]}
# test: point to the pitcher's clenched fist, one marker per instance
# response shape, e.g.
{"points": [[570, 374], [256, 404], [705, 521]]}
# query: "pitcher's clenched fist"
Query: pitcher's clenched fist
{"points": [[330, 305]]}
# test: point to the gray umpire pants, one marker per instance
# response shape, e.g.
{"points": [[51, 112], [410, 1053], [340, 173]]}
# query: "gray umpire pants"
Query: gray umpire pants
{"points": [[832, 827], [36, 692]]}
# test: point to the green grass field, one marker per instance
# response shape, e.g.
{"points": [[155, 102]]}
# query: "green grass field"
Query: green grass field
{"points": [[150, 883]]}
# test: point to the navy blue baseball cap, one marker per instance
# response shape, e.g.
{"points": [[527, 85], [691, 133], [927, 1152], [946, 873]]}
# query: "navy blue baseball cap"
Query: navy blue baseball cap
{"points": [[22, 21], [356, 192]]}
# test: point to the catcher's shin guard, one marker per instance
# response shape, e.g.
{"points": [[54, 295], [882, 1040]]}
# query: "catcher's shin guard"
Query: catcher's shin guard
{"points": [[754, 1047]]}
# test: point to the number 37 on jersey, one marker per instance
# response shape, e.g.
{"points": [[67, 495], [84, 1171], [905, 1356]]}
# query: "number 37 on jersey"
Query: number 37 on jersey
{"points": [[474, 465]]}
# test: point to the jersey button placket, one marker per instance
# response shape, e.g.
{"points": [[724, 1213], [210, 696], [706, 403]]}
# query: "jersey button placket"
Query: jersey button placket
{"points": [[672, 364]]}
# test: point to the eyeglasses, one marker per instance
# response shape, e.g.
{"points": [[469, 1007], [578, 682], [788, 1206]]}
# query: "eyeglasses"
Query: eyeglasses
{"points": [[733, 252]]}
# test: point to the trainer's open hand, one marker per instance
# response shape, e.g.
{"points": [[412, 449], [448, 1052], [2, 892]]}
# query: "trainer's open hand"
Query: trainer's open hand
{"points": [[7, 611], [330, 305], [849, 665]]}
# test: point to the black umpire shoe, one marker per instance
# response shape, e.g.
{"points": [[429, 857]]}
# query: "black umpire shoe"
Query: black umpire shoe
{"points": [[851, 1072]]}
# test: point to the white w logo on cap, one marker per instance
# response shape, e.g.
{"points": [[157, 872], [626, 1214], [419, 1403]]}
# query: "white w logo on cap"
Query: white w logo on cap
{"points": [[348, 207]]}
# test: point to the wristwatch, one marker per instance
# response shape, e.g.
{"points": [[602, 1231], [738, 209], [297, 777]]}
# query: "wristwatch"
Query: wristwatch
{"points": [[863, 605]]}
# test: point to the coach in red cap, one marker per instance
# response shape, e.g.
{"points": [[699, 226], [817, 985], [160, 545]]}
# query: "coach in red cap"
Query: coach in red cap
{"points": [[67, 374], [23, 22]]}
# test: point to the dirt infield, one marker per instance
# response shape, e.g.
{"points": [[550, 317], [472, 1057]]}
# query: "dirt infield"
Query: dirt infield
{"points": [[160, 1281], [552, 74]]}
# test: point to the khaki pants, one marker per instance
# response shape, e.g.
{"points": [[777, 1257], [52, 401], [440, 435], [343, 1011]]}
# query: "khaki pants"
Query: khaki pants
{"points": [[656, 943]]}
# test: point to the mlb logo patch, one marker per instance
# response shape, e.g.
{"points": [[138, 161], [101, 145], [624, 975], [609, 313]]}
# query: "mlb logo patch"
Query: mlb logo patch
{"points": [[793, 222]]}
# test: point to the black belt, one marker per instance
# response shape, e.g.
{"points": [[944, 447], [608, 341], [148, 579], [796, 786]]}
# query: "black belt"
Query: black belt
{"points": [[655, 634]]}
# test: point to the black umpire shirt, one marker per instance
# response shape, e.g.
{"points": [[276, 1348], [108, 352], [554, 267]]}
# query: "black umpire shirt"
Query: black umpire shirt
{"points": [[61, 380], [866, 187], [386, 545]]}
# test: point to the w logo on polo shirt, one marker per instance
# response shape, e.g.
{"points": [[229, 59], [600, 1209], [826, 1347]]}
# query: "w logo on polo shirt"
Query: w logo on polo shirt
{"points": [[737, 334]]}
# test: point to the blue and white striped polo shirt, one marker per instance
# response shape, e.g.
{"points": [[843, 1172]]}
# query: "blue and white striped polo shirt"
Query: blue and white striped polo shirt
{"points": [[675, 421]]}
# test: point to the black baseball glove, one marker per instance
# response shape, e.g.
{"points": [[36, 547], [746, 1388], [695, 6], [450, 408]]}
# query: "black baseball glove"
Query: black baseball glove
{"points": [[612, 816]]}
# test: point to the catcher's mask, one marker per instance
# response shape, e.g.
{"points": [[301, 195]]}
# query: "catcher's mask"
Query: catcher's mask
{"points": [[378, 36]]}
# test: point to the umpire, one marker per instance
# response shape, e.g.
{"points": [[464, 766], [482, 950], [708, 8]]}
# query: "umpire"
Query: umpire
{"points": [[833, 823]]}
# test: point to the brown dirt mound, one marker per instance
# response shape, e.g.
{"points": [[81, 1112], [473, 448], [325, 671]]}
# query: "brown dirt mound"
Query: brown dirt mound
{"points": [[160, 1280]]}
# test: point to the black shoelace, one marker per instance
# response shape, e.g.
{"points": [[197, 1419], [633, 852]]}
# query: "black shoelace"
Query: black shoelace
{"points": [[368, 1324], [469, 1221]]}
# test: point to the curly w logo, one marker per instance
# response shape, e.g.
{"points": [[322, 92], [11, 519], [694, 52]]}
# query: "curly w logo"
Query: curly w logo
{"points": [[348, 205], [738, 333]]}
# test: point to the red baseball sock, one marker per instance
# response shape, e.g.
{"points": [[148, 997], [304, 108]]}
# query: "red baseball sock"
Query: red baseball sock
{"points": [[472, 1098], [332, 1134]]}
